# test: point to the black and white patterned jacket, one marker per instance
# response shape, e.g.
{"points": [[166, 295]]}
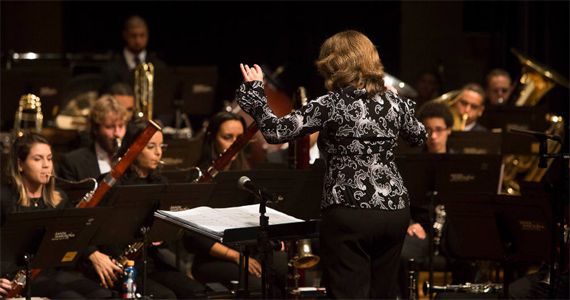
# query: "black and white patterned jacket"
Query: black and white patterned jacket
{"points": [[357, 137]]}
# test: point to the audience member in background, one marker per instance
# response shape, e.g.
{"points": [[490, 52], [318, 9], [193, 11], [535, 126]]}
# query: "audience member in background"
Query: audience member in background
{"points": [[498, 87], [471, 104], [107, 122], [32, 188]]}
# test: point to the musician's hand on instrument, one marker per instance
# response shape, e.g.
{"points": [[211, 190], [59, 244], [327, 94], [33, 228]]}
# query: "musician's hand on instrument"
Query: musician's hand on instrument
{"points": [[417, 230], [254, 267], [157, 243], [105, 268], [251, 74], [5, 286]]}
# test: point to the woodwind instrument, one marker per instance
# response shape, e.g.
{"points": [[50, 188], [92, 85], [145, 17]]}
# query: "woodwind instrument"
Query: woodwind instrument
{"points": [[225, 158], [299, 157], [118, 170]]}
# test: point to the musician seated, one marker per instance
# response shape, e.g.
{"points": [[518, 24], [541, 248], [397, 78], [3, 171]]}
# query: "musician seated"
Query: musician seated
{"points": [[32, 188], [163, 281], [498, 87], [438, 121], [107, 121], [213, 261], [471, 103]]}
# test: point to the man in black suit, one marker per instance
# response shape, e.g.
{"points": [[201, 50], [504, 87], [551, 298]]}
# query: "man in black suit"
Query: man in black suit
{"points": [[107, 125], [121, 68]]}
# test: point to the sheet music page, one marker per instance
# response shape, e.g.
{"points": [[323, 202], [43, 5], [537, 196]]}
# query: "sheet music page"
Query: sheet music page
{"points": [[219, 219]]}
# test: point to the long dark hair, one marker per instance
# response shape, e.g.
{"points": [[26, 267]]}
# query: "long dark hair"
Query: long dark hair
{"points": [[208, 146], [133, 131]]}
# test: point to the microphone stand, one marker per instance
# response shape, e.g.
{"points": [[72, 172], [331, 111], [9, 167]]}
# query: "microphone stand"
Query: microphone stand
{"points": [[556, 191], [263, 244]]}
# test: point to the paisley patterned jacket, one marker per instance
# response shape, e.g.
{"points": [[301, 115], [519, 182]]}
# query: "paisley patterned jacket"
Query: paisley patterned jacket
{"points": [[357, 137]]}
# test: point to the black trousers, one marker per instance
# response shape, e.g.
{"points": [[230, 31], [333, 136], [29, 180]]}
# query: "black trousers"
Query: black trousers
{"points": [[360, 251]]}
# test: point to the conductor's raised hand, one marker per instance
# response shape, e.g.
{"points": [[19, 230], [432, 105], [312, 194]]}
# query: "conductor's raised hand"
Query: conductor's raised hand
{"points": [[251, 74]]}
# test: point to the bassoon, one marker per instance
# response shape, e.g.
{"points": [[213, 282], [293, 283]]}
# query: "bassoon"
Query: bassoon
{"points": [[106, 183]]}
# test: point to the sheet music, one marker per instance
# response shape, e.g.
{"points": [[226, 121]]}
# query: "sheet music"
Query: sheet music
{"points": [[216, 220]]}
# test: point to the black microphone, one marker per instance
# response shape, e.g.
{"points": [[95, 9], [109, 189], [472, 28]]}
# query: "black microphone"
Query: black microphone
{"points": [[246, 184], [537, 134]]}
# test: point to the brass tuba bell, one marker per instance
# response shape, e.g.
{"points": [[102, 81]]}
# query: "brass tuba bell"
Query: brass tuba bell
{"points": [[29, 112], [143, 89], [449, 99], [535, 81], [304, 258]]}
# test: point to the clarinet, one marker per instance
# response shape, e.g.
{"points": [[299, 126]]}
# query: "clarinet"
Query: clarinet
{"points": [[92, 199], [440, 215]]}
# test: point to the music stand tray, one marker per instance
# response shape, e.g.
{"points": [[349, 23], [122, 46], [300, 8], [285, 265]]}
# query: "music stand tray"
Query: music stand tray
{"points": [[55, 238]]}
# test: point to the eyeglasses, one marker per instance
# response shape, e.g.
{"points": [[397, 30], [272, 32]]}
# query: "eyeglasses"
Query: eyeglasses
{"points": [[153, 146], [438, 130], [465, 103]]}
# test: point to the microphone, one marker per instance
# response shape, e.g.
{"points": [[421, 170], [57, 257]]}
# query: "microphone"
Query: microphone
{"points": [[246, 184], [537, 134]]}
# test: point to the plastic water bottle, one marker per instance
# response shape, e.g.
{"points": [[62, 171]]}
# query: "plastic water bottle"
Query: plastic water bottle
{"points": [[129, 283]]}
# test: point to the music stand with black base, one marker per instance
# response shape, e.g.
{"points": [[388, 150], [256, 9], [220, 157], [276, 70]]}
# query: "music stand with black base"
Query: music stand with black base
{"points": [[46, 239], [558, 192], [430, 176]]}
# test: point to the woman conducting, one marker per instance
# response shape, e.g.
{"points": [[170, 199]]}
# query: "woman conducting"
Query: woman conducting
{"points": [[365, 206]]}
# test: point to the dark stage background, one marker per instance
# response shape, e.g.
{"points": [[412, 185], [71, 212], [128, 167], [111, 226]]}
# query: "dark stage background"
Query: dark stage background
{"points": [[464, 40]]}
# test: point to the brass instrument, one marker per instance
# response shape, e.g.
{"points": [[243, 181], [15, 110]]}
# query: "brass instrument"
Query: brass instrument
{"points": [[304, 257], [450, 99], [536, 80], [143, 89], [29, 111]]}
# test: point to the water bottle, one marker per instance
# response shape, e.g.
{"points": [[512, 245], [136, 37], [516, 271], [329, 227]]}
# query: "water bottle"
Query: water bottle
{"points": [[129, 283]]}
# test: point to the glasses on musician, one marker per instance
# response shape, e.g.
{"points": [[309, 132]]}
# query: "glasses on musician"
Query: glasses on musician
{"points": [[153, 146], [437, 130]]}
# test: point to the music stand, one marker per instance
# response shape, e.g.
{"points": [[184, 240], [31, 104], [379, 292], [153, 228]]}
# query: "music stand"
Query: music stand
{"points": [[46, 239], [474, 142], [506, 117], [131, 218], [301, 190], [506, 229]]}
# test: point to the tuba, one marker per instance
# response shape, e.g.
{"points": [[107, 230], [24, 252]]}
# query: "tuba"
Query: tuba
{"points": [[29, 112], [143, 89], [449, 99], [536, 80]]}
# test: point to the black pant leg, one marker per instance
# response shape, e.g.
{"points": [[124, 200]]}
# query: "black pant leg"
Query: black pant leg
{"points": [[179, 283], [360, 250]]}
